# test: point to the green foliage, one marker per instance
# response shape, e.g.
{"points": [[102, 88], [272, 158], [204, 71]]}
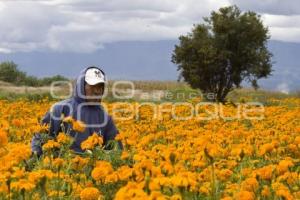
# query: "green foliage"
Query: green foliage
{"points": [[10, 96], [222, 52], [9, 72]]}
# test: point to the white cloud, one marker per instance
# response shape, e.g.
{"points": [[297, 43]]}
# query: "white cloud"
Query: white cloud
{"points": [[282, 27], [24, 25], [86, 25], [3, 50], [283, 87], [285, 34], [115, 5], [278, 7]]}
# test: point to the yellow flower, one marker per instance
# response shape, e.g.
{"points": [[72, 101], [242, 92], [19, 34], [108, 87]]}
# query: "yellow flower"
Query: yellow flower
{"points": [[154, 184], [245, 195], [131, 191], [78, 126], [111, 178], [54, 193], [68, 119], [51, 144], [22, 184], [62, 138], [176, 197], [18, 173], [224, 174], [124, 155], [160, 155], [58, 162], [284, 165], [285, 194], [102, 169], [226, 198], [124, 172], [18, 122], [90, 193], [36, 176], [204, 189], [92, 141], [20, 152], [266, 191], [266, 148], [3, 138], [46, 161], [79, 162], [157, 195], [266, 172], [250, 184]]}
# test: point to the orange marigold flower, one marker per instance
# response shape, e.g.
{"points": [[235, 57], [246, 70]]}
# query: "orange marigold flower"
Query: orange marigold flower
{"points": [[266, 191], [124, 172], [124, 155], [204, 189], [68, 119], [284, 193], [212, 151], [90, 193], [250, 184], [58, 162], [154, 184], [46, 161], [92, 141], [53, 194], [63, 138], [78, 162], [20, 152], [297, 140], [266, 172], [22, 184], [245, 195], [18, 173], [78, 126], [131, 191], [156, 195], [284, 165], [36, 176], [111, 178], [266, 148], [18, 122], [224, 174], [176, 197], [3, 138], [102, 169], [50, 145], [226, 198]]}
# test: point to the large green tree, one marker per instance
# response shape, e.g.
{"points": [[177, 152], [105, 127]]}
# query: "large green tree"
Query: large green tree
{"points": [[229, 47]]}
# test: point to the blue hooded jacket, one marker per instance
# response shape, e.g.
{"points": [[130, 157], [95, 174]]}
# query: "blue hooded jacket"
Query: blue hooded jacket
{"points": [[93, 116]]}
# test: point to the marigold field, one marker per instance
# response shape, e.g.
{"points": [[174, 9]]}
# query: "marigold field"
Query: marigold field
{"points": [[163, 158]]}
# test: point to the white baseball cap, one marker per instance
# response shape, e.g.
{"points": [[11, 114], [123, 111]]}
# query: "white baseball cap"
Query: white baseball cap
{"points": [[94, 76]]}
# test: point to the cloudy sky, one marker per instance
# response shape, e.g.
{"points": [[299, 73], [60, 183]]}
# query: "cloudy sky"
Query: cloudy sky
{"points": [[85, 26], [132, 39]]}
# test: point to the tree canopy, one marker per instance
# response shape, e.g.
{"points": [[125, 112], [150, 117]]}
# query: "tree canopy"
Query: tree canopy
{"points": [[229, 47]]}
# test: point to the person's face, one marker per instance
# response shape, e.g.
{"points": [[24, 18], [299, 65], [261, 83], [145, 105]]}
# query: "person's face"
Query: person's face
{"points": [[94, 91]]}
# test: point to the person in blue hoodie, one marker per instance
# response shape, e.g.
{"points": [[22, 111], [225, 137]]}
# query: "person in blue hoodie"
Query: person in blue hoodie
{"points": [[84, 105]]}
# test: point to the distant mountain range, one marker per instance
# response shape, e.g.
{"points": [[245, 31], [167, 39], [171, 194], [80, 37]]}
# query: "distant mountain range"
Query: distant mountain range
{"points": [[151, 60]]}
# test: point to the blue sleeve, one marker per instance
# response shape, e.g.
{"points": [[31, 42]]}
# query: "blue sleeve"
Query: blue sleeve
{"points": [[36, 142], [110, 132], [52, 120]]}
